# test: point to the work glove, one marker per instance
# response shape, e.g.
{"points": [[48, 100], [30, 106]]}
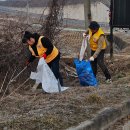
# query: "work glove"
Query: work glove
{"points": [[91, 58], [84, 35], [44, 55]]}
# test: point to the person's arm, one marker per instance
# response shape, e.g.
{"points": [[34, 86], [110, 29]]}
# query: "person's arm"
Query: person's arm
{"points": [[100, 44], [31, 58], [85, 33], [47, 44]]}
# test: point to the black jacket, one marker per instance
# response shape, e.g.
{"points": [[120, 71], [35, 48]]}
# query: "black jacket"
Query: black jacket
{"points": [[46, 44]]}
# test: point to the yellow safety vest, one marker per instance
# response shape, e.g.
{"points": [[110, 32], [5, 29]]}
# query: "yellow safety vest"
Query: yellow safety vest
{"points": [[94, 39], [41, 50]]}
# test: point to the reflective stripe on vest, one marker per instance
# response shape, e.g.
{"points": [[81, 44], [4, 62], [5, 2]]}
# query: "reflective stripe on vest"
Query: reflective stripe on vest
{"points": [[41, 50], [94, 39]]}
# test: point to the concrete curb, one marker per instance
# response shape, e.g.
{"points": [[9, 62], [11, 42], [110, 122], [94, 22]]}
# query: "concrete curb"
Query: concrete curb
{"points": [[105, 118]]}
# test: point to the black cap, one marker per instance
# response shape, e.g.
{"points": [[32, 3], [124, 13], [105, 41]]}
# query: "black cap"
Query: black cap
{"points": [[27, 35], [94, 25]]}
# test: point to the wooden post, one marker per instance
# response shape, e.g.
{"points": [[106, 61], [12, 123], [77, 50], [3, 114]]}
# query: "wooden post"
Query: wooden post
{"points": [[87, 12], [111, 42], [111, 30], [27, 8], [87, 17]]}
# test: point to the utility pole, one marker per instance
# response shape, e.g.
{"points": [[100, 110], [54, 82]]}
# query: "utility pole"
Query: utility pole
{"points": [[87, 17], [111, 30], [27, 8], [87, 12]]}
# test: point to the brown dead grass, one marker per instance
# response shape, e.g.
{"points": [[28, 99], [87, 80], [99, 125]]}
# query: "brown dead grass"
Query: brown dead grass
{"points": [[24, 110]]}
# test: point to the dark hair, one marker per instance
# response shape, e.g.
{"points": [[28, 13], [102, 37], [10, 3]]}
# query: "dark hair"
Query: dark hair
{"points": [[94, 25], [27, 35]]}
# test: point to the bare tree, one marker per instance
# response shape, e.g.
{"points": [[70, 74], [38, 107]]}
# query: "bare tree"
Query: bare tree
{"points": [[54, 19]]}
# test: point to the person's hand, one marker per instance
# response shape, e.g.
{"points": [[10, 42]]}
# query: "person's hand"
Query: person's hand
{"points": [[44, 56], [84, 35], [86, 60], [27, 63], [91, 58]]}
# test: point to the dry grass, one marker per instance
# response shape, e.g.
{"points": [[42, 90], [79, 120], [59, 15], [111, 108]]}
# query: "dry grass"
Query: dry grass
{"points": [[24, 110], [94, 98], [27, 110]]}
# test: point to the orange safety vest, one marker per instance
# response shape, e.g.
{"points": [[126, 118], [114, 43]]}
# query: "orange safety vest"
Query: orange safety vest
{"points": [[41, 50], [94, 39]]}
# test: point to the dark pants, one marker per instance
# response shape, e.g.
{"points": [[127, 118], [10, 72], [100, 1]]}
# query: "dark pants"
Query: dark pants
{"points": [[100, 61], [54, 65]]}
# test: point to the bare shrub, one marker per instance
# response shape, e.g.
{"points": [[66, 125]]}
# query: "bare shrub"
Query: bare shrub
{"points": [[54, 20], [13, 53]]}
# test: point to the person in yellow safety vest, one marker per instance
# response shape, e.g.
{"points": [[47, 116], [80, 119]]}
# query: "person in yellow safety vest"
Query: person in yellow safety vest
{"points": [[41, 46], [97, 45]]}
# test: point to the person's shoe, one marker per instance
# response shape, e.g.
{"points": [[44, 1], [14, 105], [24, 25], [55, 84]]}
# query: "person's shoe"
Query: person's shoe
{"points": [[108, 81]]}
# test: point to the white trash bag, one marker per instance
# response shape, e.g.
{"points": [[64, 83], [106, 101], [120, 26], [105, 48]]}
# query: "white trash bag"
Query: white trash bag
{"points": [[45, 76], [83, 48]]}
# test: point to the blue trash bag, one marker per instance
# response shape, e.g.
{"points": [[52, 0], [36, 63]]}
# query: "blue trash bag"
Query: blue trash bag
{"points": [[85, 73]]}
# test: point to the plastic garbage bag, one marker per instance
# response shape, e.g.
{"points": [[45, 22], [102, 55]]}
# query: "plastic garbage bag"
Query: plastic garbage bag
{"points": [[83, 48], [85, 73], [45, 76]]}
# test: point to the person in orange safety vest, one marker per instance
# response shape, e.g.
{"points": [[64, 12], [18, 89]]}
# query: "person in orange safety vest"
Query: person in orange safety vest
{"points": [[98, 45], [41, 46]]}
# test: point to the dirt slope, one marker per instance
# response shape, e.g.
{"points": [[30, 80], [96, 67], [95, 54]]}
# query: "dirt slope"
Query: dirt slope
{"points": [[24, 109]]}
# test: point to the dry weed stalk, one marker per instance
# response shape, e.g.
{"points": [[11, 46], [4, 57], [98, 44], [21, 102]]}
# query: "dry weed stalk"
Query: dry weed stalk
{"points": [[1, 89], [7, 86], [21, 85]]}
